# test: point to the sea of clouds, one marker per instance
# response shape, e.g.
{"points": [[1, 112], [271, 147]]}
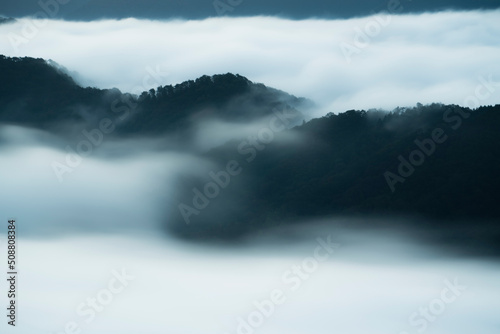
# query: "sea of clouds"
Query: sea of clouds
{"points": [[380, 61]]}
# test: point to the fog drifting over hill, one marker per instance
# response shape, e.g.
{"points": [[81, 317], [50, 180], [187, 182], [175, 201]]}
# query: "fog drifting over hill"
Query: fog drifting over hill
{"points": [[378, 61]]}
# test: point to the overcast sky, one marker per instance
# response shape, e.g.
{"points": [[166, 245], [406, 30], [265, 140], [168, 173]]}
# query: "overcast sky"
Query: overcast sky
{"points": [[197, 9]]}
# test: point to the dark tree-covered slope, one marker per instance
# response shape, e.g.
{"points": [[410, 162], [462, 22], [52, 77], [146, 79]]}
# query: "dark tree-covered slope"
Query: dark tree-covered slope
{"points": [[348, 164], [37, 93]]}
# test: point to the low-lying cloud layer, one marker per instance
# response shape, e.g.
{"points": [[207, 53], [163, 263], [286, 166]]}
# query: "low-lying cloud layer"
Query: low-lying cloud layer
{"points": [[120, 186], [379, 61], [390, 285]]}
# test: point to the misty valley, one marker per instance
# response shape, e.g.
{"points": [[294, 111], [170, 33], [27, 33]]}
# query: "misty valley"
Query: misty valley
{"points": [[227, 204]]}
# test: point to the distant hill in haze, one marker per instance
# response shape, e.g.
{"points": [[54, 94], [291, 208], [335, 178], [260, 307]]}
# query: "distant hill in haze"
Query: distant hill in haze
{"points": [[34, 93], [40, 93], [226, 97]]}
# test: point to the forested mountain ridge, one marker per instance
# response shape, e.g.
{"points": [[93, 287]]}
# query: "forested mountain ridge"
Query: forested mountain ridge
{"points": [[437, 161], [39, 93]]}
